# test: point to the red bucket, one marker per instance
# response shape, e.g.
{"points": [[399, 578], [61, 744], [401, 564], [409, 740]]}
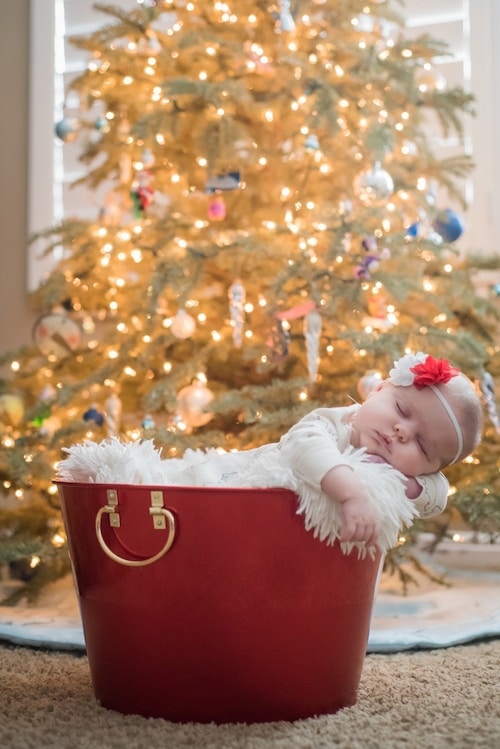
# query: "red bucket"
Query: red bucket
{"points": [[208, 604]]}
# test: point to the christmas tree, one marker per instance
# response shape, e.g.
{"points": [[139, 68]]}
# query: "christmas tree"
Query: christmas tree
{"points": [[276, 229]]}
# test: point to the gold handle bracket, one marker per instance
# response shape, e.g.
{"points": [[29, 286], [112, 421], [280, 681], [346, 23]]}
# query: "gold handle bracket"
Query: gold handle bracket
{"points": [[161, 519]]}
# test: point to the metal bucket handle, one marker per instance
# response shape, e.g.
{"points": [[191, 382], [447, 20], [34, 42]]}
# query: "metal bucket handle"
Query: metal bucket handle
{"points": [[161, 517]]}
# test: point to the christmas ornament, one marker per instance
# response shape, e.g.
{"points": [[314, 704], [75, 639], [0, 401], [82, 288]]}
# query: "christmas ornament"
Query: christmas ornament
{"points": [[371, 262], [11, 409], [377, 305], [142, 194], [413, 230], [374, 185], [183, 325], [311, 143], [47, 394], [217, 209], [112, 414], [368, 382], [488, 391], [369, 245], [57, 335], [312, 334], [93, 414], [223, 182], [280, 340], [299, 310], [148, 422], [237, 297], [448, 225], [41, 414], [192, 402], [376, 323], [102, 125], [285, 22], [147, 158], [66, 129]]}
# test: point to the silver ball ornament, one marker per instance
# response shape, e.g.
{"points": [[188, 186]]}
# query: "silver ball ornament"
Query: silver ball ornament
{"points": [[374, 185], [192, 402]]}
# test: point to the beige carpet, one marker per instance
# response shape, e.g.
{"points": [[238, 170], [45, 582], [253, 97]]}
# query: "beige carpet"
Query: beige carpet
{"points": [[415, 700]]}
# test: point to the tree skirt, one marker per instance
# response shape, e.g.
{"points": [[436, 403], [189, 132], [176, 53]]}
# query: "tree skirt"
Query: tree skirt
{"points": [[431, 615]]}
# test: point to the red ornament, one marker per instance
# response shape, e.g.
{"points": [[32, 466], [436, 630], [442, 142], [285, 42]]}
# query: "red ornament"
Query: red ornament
{"points": [[217, 209]]}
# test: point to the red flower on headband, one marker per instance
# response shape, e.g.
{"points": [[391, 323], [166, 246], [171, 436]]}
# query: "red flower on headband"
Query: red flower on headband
{"points": [[433, 371]]}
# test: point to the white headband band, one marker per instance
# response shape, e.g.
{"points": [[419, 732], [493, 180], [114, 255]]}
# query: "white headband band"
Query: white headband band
{"points": [[453, 420]]}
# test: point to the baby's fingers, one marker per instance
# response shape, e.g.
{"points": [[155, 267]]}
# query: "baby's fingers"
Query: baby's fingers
{"points": [[360, 532]]}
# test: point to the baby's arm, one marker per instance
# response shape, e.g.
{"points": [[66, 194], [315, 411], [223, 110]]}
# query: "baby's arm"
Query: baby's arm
{"points": [[360, 521], [311, 449], [429, 492]]}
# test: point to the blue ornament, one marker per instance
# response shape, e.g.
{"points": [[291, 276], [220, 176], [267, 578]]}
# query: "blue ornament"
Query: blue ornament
{"points": [[92, 414], [102, 124], [311, 143], [448, 225], [413, 230], [66, 129], [148, 422]]}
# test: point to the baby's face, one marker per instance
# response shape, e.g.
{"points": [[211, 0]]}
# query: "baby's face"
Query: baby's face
{"points": [[407, 427]]}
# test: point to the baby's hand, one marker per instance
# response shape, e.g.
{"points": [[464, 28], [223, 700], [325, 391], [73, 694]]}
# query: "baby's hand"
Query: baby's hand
{"points": [[360, 521], [412, 488]]}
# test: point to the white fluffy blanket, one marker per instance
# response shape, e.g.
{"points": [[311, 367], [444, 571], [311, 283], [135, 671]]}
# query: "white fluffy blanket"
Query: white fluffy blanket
{"points": [[115, 462]]}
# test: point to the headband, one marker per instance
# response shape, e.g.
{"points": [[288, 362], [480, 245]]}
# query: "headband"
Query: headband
{"points": [[422, 370]]}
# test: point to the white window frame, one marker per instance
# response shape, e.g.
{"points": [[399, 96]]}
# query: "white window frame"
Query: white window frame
{"points": [[45, 208]]}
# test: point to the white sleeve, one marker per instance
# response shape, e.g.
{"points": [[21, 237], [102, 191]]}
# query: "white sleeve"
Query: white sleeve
{"points": [[434, 495], [310, 448]]}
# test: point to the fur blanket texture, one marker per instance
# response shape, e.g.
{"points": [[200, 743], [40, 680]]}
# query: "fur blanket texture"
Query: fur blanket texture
{"points": [[115, 462]]}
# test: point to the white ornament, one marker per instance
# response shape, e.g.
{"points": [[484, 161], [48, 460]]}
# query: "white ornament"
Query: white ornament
{"points": [[113, 414], [183, 325], [312, 332], [192, 402], [237, 297], [286, 22]]}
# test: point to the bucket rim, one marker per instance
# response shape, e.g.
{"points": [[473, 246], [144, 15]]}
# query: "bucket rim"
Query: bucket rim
{"points": [[170, 487]]}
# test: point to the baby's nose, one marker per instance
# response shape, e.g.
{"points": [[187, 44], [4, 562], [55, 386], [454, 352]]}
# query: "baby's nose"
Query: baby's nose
{"points": [[402, 432]]}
